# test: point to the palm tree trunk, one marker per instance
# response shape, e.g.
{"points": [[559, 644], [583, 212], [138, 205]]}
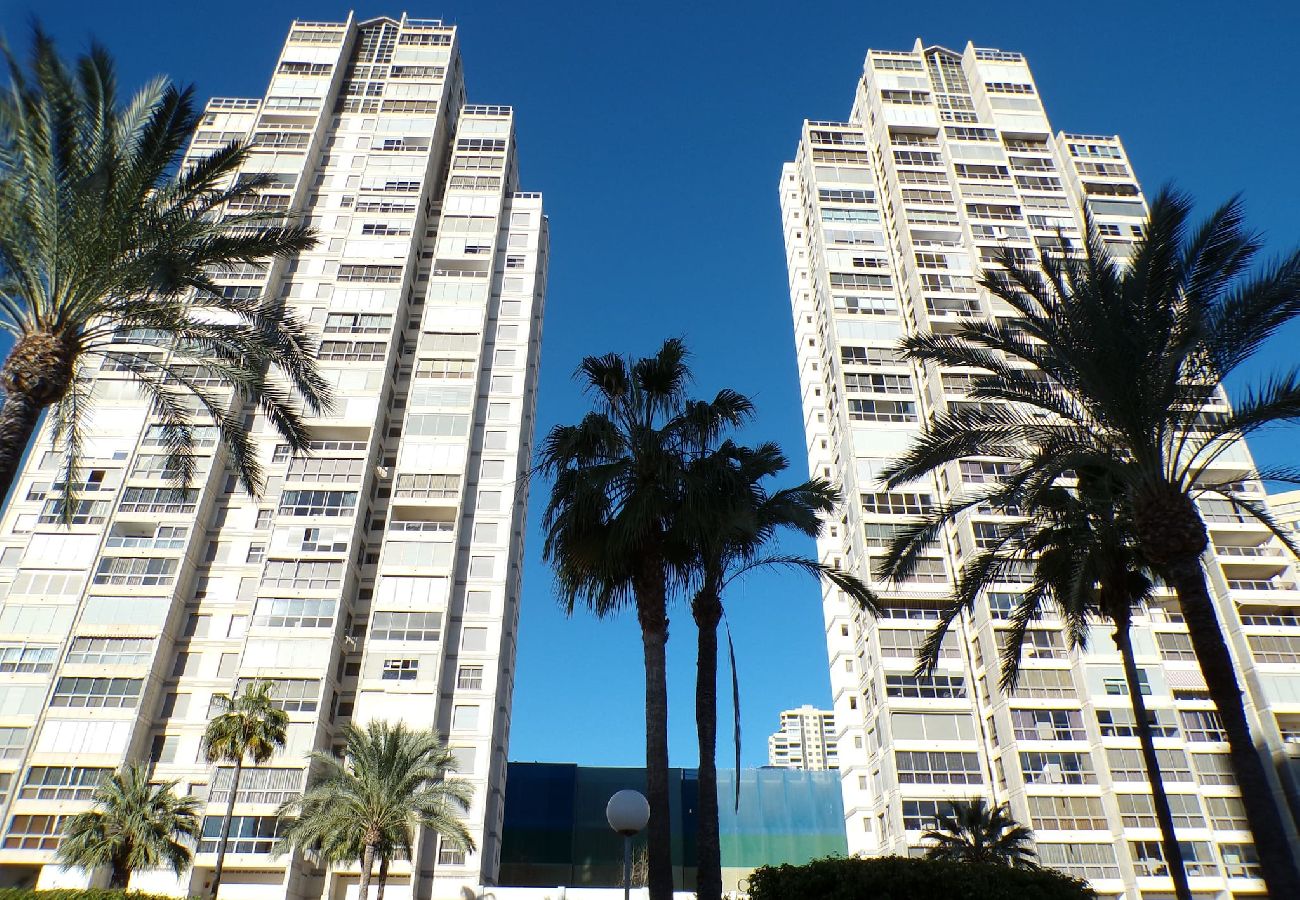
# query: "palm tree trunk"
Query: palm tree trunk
{"points": [[1159, 799], [120, 877], [225, 828], [18, 417], [708, 851], [1259, 795], [653, 616], [367, 862], [383, 877]]}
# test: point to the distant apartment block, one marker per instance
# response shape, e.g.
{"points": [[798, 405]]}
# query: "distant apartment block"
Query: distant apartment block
{"points": [[806, 740], [376, 578], [946, 159]]}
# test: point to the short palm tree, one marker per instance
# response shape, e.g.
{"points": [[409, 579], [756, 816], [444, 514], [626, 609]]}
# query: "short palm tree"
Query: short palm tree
{"points": [[1111, 367], [1079, 545], [249, 727], [106, 241], [734, 524], [367, 805], [972, 832], [134, 825], [614, 519]]}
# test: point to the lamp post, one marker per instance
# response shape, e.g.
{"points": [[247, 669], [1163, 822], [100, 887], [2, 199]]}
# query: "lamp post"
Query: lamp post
{"points": [[627, 813]]}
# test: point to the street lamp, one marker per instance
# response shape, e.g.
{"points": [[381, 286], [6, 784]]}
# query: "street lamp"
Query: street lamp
{"points": [[627, 813]]}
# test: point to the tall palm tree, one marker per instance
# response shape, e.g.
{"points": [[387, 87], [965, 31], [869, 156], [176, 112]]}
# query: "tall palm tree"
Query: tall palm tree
{"points": [[614, 522], [390, 781], [974, 833], [1111, 367], [105, 238], [248, 726], [733, 523], [1080, 547], [134, 825]]}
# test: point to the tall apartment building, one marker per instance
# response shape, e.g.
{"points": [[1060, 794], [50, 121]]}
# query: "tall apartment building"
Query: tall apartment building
{"points": [[1285, 507], [888, 218], [806, 740], [377, 578]]}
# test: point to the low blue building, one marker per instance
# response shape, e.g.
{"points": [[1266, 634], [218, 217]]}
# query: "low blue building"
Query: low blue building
{"points": [[555, 831]]}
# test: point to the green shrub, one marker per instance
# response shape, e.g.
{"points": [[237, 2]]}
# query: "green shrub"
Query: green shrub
{"points": [[77, 894], [902, 878]]}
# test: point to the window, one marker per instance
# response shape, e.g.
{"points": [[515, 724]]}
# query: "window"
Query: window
{"points": [[294, 613], [1117, 686], [932, 687], [1002, 606], [61, 783], [12, 742], [97, 693], [318, 503], [481, 566], [1202, 725], [1240, 861], [1122, 723], [932, 727], [877, 383], [406, 626], [326, 470], [1126, 765], [450, 856], [923, 815], [464, 718], [1269, 648], [400, 670], [257, 785], [84, 512], [1067, 813], [427, 487], [1048, 725], [861, 410], [937, 767], [1176, 646], [1138, 811], [897, 503], [1227, 813], [353, 351], [1057, 768], [34, 832], [906, 643], [27, 659], [1213, 768], [470, 678], [376, 274], [159, 500], [281, 574], [107, 651], [1149, 859], [1088, 861], [445, 368], [248, 834], [290, 694], [474, 639]]}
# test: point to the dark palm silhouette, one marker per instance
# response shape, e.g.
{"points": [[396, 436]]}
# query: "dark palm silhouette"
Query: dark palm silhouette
{"points": [[1111, 367], [972, 832], [734, 522], [1085, 564], [614, 522]]}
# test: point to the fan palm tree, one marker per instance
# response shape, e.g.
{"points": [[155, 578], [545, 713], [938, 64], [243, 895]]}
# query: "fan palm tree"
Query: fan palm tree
{"points": [[367, 805], [614, 522], [1112, 367], [972, 832], [734, 521], [106, 241], [134, 825], [248, 726], [1079, 544]]}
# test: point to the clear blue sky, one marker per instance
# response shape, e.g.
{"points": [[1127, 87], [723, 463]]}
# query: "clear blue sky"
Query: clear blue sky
{"points": [[657, 132]]}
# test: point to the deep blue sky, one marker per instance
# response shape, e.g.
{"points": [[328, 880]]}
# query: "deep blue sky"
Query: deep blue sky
{"points": [[657, 132]]}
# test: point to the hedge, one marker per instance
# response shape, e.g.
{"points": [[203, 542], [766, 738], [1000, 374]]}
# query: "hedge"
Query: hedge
{"points": [[77, 894], [905, 878]]}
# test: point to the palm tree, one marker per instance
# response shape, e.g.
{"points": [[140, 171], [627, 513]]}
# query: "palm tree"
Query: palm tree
{"points": [[1080, 547], [368, 804], [733, 522], [974, 833], [248, 726], [106, 241], [614, 523], [135, 825], [1112, 367]]}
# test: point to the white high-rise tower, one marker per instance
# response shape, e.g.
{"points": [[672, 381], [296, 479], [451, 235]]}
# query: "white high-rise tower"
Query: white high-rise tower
{"points": [[888, 217], [377, 578]]}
